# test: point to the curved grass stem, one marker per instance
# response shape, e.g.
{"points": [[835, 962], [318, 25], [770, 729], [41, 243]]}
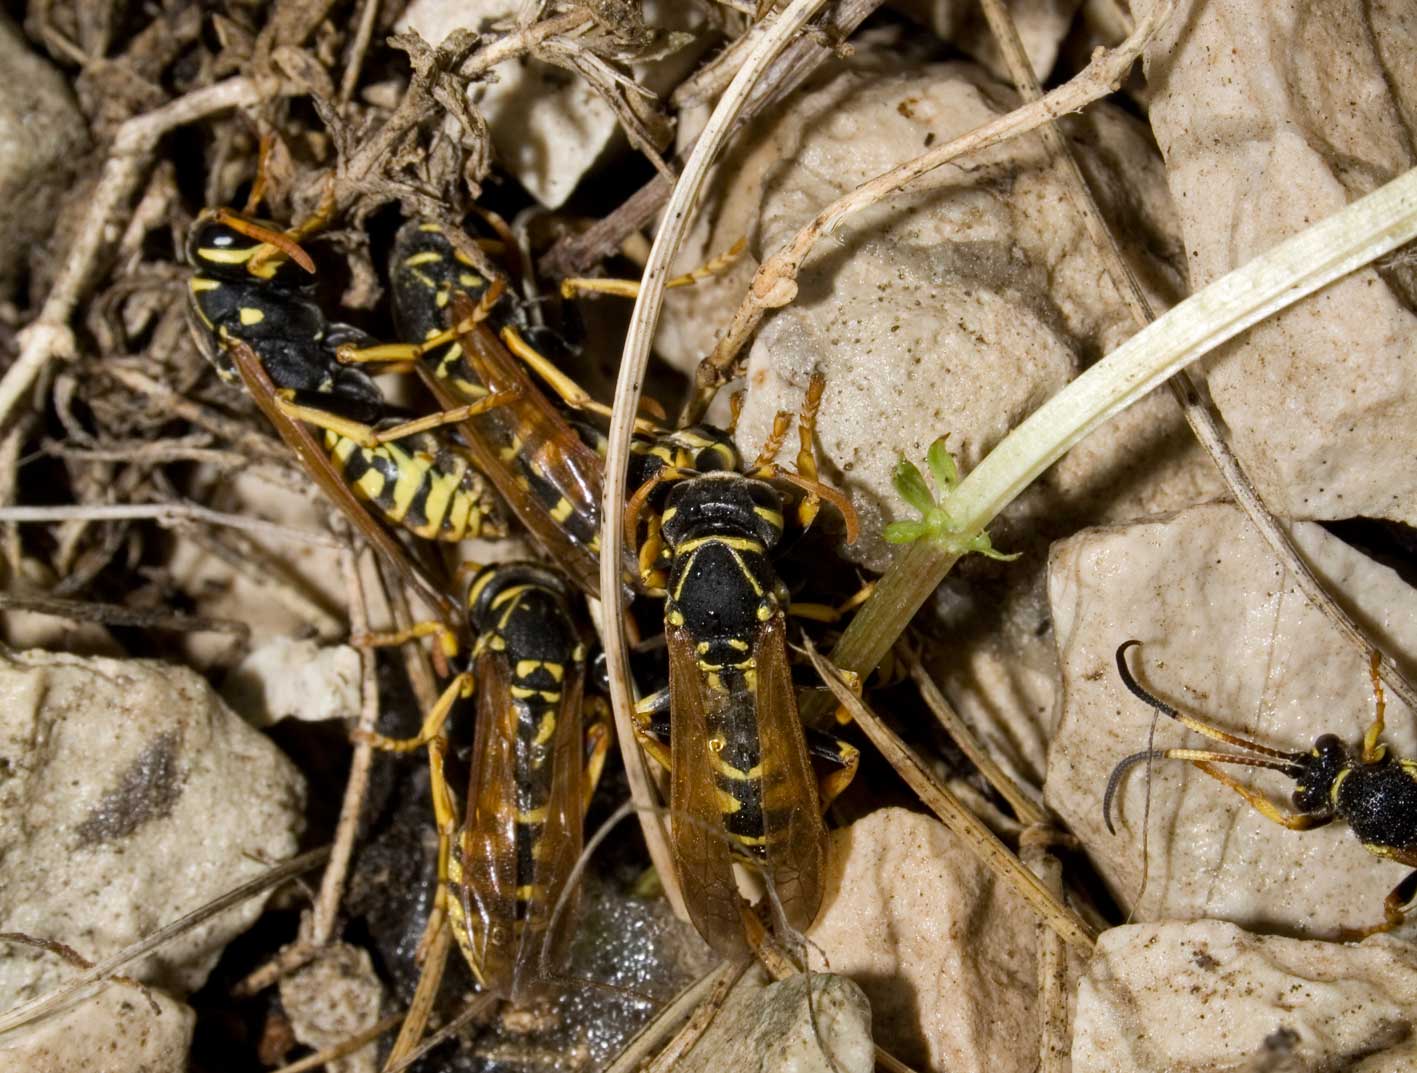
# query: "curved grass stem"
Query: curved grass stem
{"points": [[1349, 239]]}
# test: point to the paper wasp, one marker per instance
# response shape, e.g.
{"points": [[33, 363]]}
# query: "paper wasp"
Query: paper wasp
{"points": [[1373, 791], [547, 466], [535, 764], [253, 317], [742, 785]]}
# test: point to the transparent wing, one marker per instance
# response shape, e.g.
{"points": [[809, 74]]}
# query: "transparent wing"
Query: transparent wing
{"points": [[317, 463], [556, 850], [795, 839], [486, 883], [701, 848]]}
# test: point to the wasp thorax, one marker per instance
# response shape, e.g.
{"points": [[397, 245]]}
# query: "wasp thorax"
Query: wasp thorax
{"points": [[723, 503], [491, 581], [1321, 767]]}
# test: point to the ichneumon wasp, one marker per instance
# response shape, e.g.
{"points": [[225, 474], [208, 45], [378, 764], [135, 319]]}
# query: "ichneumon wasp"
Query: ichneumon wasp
{"points": [[1370, 788], [504, 865]]}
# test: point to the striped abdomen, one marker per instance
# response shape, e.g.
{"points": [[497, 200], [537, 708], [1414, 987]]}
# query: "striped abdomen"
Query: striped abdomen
{"points": [[420, 483]]}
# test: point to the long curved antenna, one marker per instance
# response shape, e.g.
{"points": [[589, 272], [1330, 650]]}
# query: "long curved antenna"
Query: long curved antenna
{"points": [[1198, 757], [278, 240], [1191, 721]]}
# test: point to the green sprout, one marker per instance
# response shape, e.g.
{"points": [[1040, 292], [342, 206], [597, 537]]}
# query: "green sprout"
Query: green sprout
{"points": [[935, 524]]}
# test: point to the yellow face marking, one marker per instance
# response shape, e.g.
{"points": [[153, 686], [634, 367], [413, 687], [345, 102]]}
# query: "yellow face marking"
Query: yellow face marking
{"points": [[1337, 782], [201, 283], [250, 315], [232, 256], [669, 512], [425, 258]]}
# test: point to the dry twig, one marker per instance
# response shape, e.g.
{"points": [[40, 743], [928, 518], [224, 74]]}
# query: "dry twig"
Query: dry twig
{"points": [[72, 990], [1187, 386], [981, 841], [166, 514], [49, 335], [775, 283]]}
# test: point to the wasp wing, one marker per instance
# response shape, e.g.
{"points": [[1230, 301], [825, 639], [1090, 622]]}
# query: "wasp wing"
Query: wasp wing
{"points": [[317, 463], [522, 835], [794, 837], [557, 847], [701, 848], [485, 868]]}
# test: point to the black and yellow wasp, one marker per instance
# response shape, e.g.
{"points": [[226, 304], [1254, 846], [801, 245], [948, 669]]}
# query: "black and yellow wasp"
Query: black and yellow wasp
{"points": [[742, 785], [253, 317], [1371, 789], [547, 465], [504, 866]]}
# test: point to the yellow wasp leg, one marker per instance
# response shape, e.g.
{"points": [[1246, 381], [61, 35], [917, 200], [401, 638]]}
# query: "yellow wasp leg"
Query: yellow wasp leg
{"points": [[1373, 750], [566, 389], [357, 431], [630, 288], [460, 686], [448, 417], [447, 637], [828, 613], [657, 750], [1295, 821], [599, 735]]}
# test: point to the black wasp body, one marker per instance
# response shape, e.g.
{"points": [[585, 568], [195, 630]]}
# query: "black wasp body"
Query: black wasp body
{"points": [[1372, 790], [742, 784], [547, 465], [246, 293], [243, 291]]}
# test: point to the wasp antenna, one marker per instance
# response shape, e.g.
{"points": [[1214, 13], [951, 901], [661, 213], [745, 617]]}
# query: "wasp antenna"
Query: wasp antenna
{"points": [[1190, 721], [1115, 779]]}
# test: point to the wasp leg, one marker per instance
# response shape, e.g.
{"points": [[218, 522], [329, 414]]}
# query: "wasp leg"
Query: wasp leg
{"points": [[566, 389], [357, 431], [448, 417], [445, 816], [460, 686], [842, 754], [409, 353], [447, 637], [652, 726], [1295, 821], [630, 288], [806, 452], [1395, 905], [829, 614], [599, 733], [1373, 750]]}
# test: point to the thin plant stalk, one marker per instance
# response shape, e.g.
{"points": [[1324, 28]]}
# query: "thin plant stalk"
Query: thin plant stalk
{"points": [[1326, 251]]}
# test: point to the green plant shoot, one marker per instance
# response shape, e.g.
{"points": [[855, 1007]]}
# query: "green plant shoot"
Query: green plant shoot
{"points": [[935, 524]]}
